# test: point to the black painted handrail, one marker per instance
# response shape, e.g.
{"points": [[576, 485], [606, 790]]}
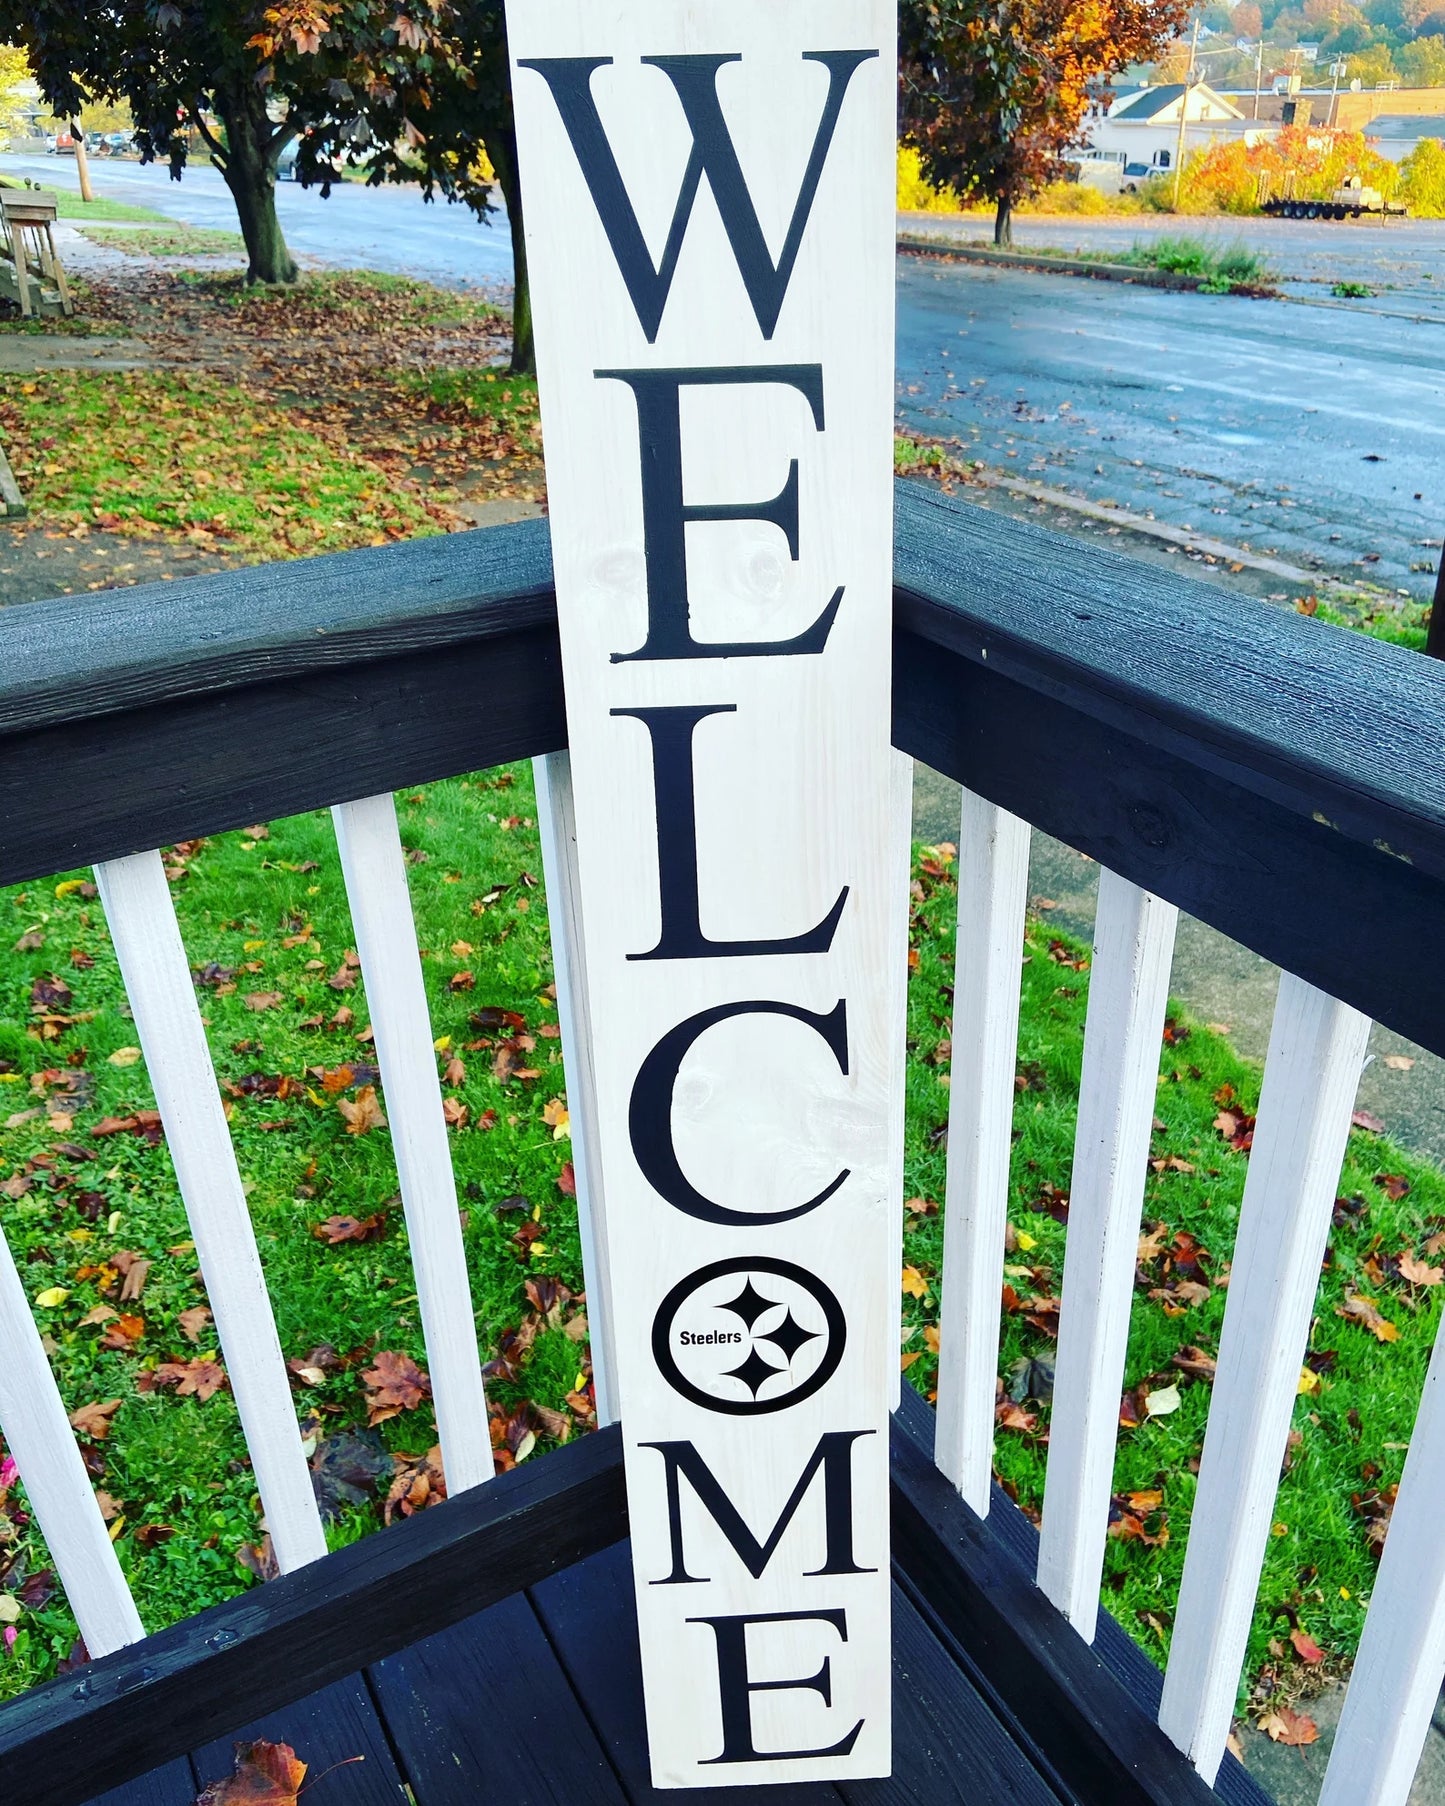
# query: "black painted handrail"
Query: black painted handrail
{"points": [[1278, 778]]}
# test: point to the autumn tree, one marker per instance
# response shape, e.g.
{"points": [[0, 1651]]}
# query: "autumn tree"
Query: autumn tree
{"points": [[242, 78], [14, 68], [437, 112], [993, 92], [456, 137]]}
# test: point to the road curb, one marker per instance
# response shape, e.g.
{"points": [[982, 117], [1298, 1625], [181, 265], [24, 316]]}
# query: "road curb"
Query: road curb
{"points": [[1064, 266], [12, 503]]}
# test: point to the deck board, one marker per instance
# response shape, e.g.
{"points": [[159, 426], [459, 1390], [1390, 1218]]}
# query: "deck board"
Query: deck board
{"points": [[173, 1785], [327, 1730], [590, 1616], [484, 1712], [948, 1746]]}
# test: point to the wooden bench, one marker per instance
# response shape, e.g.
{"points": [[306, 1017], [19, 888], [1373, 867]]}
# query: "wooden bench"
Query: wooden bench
{"points": [[1276, 778], [30, 270]]}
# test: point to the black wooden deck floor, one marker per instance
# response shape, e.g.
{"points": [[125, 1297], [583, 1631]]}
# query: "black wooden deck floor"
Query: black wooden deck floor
{"points": [[537, 1700]]}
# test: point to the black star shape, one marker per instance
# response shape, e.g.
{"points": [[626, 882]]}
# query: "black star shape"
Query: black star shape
{"points": [[754, 1373], [789, 1336], [749, 1304]]}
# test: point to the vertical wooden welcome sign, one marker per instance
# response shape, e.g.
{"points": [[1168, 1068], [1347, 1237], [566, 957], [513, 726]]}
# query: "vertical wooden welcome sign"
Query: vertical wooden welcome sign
{"points": [[709, 206]]}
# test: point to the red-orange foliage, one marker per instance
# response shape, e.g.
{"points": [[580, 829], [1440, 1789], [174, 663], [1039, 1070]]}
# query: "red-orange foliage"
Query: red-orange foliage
{"points": [[992, 92], [1224, 177]]}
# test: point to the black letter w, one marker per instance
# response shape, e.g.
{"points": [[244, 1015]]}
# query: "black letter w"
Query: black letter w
{"points": [[713, 155]]}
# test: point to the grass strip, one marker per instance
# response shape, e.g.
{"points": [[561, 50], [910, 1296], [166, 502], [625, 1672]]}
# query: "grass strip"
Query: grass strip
{"points": [[166, 241], [162, 454]]}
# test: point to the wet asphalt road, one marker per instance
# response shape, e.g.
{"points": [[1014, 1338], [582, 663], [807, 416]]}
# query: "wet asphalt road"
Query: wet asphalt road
{"points": [[355, 227], [1315, 433]]}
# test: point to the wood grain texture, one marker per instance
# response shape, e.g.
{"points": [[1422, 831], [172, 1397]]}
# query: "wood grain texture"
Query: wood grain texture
{"points": [[173, 1785], [484, 1711], [950, 1745], [1316, 718], [719, 479], [1396, 1678], [190, 1683], [38, 1433], [590, 1615], [993, 879], [328, 1730], [1139, 735], [121, 650], [1312, 1071], [900, 862], [1016, 1545], [1128, 997], [1065, 1700], [141, 916], [376, 888], [951, 1748], [557, 830]]}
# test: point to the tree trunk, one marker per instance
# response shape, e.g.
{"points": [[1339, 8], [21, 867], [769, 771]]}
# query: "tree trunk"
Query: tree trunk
{"points": [[1003, 224], [502, 149], [253, 144]]}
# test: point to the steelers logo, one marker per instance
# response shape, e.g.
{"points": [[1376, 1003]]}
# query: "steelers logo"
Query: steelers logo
{"points": [[748, 1336]]}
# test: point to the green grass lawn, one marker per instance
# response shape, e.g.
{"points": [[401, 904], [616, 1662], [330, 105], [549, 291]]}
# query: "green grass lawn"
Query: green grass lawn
{"points": [[166, 241], [69, 206], [159, 453], [268, 935]]}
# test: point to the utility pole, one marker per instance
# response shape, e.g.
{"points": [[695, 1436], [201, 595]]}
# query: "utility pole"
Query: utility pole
{"points": [[1258, 74], [1184, 112], [1337, 69], [82, 162]]}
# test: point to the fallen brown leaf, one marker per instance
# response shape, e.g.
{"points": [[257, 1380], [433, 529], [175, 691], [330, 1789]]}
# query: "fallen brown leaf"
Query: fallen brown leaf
{"points": [[395, 1384], [1358, 1309], [266, 1774], [351, 1229], [364, 1113], [1285, 1726], [93, 1421]]}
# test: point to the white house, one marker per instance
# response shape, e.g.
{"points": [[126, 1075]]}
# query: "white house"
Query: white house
{"points": [[1142, 127]]}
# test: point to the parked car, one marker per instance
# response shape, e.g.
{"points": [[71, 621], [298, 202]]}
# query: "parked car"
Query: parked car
{"points": [[116, 144], [61, 145]]}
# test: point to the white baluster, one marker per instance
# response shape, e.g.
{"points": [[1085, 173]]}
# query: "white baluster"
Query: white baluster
{"points": [[557, 822], [38, 1434], [900, 805], [168, 1023], [1128, 997], [375, 870], [1316, 1049], [993, 875], [1397, 1674]]}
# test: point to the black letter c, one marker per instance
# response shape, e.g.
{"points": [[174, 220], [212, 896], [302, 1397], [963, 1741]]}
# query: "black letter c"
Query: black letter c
{"points": [[650, 1114]]}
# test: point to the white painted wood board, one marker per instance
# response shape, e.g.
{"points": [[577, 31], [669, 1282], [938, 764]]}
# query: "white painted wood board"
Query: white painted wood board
{"points": [[374, 867], [152, 956], [993, 880], [760, 1169], [1311, 1074], [1128, 998]]}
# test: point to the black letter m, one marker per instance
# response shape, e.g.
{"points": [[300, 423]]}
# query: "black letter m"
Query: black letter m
{"points": [[713, 155], [834, 1455]]}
